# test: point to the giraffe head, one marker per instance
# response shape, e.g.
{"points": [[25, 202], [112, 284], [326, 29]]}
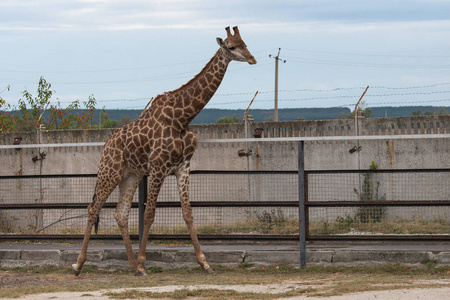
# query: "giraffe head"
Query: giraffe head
{"points": [[235, 48]]}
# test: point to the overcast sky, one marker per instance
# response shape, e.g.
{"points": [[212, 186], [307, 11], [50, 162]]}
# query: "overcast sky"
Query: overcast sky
{"points": [[125, 52]]}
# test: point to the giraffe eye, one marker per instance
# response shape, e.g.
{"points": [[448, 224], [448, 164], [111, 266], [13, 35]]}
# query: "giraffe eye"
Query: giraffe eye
{"points": [[231, 48]]}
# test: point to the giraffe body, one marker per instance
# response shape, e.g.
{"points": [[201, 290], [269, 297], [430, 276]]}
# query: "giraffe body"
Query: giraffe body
{"points": [[159, 143]]}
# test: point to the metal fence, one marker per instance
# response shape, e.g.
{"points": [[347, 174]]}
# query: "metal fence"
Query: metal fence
{"points": [[338, 204], [378, 204]]}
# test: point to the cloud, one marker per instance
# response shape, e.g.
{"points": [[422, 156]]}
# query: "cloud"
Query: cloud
{"points": [[28, 15]]}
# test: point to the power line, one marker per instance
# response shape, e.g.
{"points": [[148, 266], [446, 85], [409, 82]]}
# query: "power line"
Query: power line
{"points": [[136, 80], [359, 64], [103, 70], [115, 69], [369, 55]]}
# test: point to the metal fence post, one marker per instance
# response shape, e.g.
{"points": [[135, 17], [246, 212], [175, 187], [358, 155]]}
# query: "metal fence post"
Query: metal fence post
{"points": [[141, 204], [301, 199]]}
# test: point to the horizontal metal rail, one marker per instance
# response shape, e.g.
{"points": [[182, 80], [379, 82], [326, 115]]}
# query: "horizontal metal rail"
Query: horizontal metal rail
{"points": [[234, 204], [158, 204], [259, 140], [231, 172], [377, 203], [376, 237], [362, 171], [193, 172], [280, 237]]}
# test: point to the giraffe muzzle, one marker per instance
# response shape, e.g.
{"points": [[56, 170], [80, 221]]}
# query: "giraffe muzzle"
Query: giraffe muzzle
{"points": [[252, 61]]}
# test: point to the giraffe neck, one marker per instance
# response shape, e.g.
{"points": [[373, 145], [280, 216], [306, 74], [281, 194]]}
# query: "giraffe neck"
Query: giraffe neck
{"points": [[183, 104]]}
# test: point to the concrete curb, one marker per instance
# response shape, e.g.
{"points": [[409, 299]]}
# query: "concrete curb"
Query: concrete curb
{"points": [[180, 258]]}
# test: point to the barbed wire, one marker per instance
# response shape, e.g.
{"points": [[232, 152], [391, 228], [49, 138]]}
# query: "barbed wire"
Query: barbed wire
{"points": [[403, 102], [335, 97], [338, 89], [371, 104], [299, 99], [283, 99]]}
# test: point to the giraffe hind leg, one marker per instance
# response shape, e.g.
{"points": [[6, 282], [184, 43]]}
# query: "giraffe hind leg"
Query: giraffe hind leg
{"points": [[90, 223], [127, 188], [103, 190]]}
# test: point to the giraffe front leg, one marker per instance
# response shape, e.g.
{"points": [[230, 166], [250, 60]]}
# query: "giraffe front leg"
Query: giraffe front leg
{"points": [[183, 185], [149, 216], [188, 218]]}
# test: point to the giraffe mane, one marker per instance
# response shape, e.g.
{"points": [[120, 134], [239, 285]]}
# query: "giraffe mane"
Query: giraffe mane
{"points": [[196, 77]]}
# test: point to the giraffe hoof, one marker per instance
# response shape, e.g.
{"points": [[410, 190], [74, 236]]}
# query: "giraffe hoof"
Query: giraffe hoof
{"points": [[140, 273], [75, 271], [208, 271]]}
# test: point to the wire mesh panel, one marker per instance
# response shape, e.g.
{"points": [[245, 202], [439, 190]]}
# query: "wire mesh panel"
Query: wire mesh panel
{"points": [[379, 202], [242, 204], [233, 203], [52, 205], [224, 203]]}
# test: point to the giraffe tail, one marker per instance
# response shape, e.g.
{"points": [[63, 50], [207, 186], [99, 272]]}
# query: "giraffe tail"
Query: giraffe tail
{"points": [[96, 223]]}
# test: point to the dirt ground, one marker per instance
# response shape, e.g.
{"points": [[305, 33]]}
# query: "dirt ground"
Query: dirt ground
{"points": [[423, 293], [249, 282]]}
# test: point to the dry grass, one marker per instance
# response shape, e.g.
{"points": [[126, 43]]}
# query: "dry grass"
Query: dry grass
{"points": [[439, 225], [285, 226]]}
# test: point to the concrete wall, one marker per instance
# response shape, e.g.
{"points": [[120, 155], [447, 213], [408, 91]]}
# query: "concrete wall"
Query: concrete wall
{"points": [[323, 155], [264, 156]]}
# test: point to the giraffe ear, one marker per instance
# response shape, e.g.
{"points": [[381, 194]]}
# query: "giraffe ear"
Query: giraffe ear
{"points": [[220, 42]]}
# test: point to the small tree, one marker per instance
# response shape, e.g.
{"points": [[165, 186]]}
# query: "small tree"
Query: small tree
{"points": [[30, 108], [7, 121], [370, 192], [29, 114]]}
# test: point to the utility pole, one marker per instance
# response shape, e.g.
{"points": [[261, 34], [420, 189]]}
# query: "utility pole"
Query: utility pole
{"points": [[277, 58]]}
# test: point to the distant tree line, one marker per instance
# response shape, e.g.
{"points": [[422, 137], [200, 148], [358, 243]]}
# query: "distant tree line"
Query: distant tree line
{"points": [[438, 111]]}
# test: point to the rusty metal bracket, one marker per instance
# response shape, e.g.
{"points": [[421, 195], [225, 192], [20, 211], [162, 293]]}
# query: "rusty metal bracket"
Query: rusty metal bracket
{"points": [[242, 153], [258, 132], [41, 156], [17, 141], [355, 149]]}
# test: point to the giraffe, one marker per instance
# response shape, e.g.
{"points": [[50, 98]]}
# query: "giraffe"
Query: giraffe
{"points": [[157, 144]]}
